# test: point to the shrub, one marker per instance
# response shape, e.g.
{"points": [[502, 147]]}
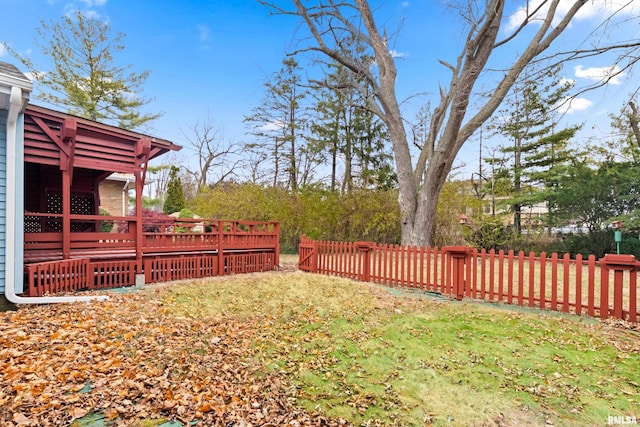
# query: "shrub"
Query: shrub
{"points": [[151, 221], [598, 243], [105, 226]]}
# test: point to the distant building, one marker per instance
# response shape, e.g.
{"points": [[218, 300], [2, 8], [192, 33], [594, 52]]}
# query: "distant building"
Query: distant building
{"points": [[114, 193]]}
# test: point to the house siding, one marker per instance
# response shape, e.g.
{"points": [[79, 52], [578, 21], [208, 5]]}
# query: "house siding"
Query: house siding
{"points": [[18, 181], [111, 198], [3, 197]]}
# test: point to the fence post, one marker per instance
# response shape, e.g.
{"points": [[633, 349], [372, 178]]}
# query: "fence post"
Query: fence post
{"points": [[314, 256], [618, 264], [221, 271], [276, 230], [365, 249], [459, 256]]}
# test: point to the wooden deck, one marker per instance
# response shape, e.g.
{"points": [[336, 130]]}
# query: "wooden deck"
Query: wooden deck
{"points": [[168, 250]]}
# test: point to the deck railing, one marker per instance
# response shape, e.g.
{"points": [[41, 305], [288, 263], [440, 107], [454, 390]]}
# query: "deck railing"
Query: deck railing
{"points": [[171, 250], [597, 288], [160, 236]]}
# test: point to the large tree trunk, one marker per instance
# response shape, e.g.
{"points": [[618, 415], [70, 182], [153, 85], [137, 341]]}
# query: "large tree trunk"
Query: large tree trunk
{"points": [[420, 188]]}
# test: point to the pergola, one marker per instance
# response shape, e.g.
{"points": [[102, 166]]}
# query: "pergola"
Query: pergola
{"points": [[65, 159]]}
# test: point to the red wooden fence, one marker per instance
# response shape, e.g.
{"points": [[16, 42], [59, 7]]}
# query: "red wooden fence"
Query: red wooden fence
{"points": [[603, 288], [178, 250]]}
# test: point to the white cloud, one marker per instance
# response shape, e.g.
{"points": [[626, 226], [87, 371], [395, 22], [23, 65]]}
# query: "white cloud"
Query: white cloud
{"points": [[395, 54], [611, 75], [92, 14], [92, 3], [3, 50], [591, 9], [271, 126], [567, 82], [573, 105], [203, 33]]}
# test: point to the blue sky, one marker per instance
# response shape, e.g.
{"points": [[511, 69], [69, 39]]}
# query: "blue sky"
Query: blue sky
{"points": [[213, 57]]}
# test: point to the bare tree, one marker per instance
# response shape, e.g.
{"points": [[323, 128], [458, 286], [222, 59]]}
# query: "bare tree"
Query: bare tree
{"points": [[215, 158], [452, 123], [633, 121], [279, 123]]}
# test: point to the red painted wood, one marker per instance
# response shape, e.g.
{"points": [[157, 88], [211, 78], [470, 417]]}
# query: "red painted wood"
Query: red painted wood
{"points": [[483, 273], [500, 275], [521, 278], [566, 265], [469, 275], [579, 268], [633, 297], [492, 276], [591, 284], [510, 263], [542, 293]]}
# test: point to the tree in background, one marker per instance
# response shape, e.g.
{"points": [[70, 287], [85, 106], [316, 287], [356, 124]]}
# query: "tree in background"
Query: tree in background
{"points": [[313, 210], [633, 118], [612, 184], [174, 200], [625, 148], [348, 133], [600, 189], [279, 124], [538, 153], [85, 77], [420, 180], [213, 154]]}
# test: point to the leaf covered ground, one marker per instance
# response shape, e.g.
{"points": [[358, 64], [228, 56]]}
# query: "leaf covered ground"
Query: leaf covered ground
{"points": [[130, 360], [287, 348]]}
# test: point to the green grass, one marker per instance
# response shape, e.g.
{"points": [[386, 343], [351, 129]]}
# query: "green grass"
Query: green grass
{"points": [[356, 351]]}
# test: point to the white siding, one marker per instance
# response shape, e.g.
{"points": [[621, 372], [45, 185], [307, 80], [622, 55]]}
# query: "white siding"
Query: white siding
{"points": [[3, 195]]}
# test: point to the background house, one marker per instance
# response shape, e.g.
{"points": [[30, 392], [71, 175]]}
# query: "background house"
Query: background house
{"points": [[114, 193]]}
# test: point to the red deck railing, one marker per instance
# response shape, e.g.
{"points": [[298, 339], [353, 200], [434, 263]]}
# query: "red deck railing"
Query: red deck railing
{"points": [[603, 288], [171, 250]]}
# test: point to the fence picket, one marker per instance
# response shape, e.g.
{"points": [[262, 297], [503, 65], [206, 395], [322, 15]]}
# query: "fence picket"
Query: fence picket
{"points": [[456, 272], [579, 268], [565, 288], [633, 286], [521, 278], [510, 277]]}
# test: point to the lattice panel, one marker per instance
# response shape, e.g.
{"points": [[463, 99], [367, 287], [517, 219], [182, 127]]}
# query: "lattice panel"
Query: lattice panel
{"points": [[82, 204], [32, 224], [54, 205]]}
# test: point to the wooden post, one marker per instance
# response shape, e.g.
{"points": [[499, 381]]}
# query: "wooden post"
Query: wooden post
{"points": [[459, 256], [139, 237], [66, 214], [66, 145], [315, 256], [220, 248], [365, 249], [276, 230], [618, 264]]}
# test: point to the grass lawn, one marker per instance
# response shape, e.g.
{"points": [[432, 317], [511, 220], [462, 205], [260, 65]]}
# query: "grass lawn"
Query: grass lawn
{"points": [[288, 348]]}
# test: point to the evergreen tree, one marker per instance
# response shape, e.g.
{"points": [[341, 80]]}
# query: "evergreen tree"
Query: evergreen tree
{"points": [[85, 77], [279, 124], [593, 197], [539, 153], [174, 202], [346, 130]]}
